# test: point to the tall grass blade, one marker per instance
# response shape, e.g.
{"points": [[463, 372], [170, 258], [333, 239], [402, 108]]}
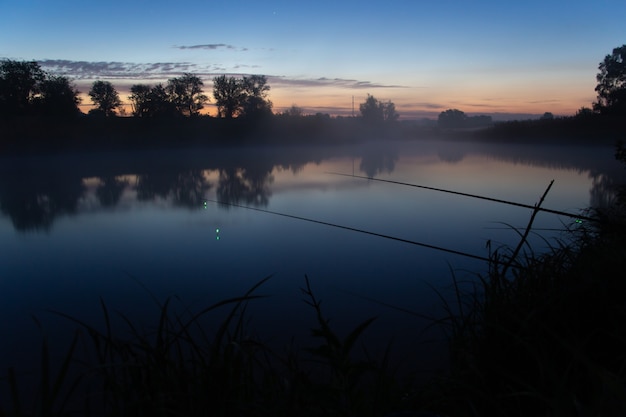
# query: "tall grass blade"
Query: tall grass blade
{"points": [[15, 392], [527, 231]]}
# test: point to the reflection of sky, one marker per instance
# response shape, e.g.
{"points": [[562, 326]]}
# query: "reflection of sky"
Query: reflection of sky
{"points": [[485, 56]]}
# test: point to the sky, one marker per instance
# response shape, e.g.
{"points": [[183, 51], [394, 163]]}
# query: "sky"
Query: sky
{"points": [[500, 58]]}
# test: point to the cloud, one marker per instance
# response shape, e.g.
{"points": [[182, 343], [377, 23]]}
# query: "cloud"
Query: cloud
{"points": [[427, 105], [330, 82], [90, 70], [545, 101], [85, 70], [211, 47], [238, 66]]}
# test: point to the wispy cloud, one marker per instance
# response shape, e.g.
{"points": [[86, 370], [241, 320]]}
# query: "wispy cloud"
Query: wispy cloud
{"points": [[88, 70], [331, 82], [428, 105], [240, 66], [82, 70], [211, 47], [545, 101]]}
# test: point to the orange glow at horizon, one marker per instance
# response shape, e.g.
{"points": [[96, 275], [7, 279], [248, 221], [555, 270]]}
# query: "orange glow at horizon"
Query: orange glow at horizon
{"points": [[414, 103]]}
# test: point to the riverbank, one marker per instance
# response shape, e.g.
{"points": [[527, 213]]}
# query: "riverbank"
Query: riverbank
{"points": [[543, 335], [30, 135]]}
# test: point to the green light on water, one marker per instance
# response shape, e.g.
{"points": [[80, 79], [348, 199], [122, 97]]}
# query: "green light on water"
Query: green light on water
{"points": [[217, 230]]}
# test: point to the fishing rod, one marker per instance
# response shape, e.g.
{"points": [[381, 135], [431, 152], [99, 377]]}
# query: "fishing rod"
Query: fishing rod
{"points": [[578, 217], [353, 229]]}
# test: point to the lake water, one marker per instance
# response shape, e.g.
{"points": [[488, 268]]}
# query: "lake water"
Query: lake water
{"points": [[75, 228]]}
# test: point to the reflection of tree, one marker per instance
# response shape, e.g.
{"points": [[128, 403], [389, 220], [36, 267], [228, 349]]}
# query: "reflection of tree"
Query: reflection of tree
{"points": [[33, 202], [378, 160], [240, 185], [604, 191], [191, 186], [450, 154], [110, 190], [184, 188]]}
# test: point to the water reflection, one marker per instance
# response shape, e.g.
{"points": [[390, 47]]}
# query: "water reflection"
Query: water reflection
{"points": [[378, 159], [34, 202], [33, 195], [604, 191], [244, 186], [183, 188], [110, 190]]}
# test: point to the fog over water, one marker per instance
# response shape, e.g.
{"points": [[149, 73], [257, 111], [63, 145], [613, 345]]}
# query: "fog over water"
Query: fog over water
{"points": [[74, 228]]}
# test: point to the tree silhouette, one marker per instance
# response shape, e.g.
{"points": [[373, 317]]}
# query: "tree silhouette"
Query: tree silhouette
{"points": [[159, 103], [140, 100], [452, 118], [245, 97], [255, 103], [19, 84], [58, 98], [105, 97], [371, 110], [229, 96], [611, 86], [294, 111], [375, 111], [186, 94]]}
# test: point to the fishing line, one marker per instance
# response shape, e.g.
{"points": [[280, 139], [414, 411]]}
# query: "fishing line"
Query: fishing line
{"points": [[353, 229], [496, 200]]}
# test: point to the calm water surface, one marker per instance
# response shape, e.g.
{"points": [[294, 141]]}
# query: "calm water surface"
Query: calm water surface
{"points": [[79, 227]]}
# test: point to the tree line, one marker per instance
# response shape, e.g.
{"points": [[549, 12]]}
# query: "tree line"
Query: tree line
{"points": [[26, 90], [611, 98]]}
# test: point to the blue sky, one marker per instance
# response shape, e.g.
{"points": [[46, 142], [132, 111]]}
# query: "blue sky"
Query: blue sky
{"points": [[481, 57]]}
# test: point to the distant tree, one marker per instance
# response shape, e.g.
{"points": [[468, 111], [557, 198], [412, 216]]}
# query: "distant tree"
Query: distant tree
{"points": [[19, 84], [229, 96], [611, 86], [140, 100], [389, 112], [371, 110], [584, 112], [159, 103], [186, 94], [255, 102], [294, 111], [452, 118], [58, 97], [375, 111], [478, 121], [547, 116], [245, 96], [105, 97]]}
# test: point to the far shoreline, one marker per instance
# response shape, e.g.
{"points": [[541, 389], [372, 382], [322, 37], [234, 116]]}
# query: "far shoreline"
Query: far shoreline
{"points": [[33, 136]]}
